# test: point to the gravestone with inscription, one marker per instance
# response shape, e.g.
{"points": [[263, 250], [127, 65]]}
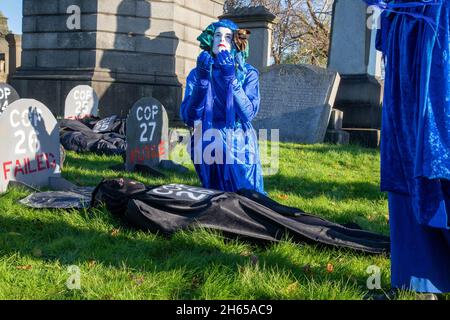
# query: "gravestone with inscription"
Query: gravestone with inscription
{"points": [[81, 102], [147, 134], [297, 100], [29, 151], [7, 96]]}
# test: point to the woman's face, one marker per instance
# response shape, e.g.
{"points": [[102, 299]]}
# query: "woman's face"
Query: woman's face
{"points": [[222, 40]]}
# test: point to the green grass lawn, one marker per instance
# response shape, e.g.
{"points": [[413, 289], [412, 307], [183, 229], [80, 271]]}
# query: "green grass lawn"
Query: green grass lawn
{"points": [[336, 182]]}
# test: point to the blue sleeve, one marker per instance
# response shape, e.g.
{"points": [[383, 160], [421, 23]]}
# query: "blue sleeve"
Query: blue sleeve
{"points": [[194, 99], [246, 96]]}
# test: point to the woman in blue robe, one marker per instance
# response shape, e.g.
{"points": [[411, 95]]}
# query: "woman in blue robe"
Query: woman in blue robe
{"points": [[221, 99], [415, 148]]}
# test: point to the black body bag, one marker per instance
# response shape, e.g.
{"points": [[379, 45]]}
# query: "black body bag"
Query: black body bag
{"points": [[78, 136], [246, 214]]}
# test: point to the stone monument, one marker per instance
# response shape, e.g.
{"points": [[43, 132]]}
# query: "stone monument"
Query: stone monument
{"points": [[4, 47], [297, 100], [124, 49], [10, 50], [260, 21], [353, 55]]}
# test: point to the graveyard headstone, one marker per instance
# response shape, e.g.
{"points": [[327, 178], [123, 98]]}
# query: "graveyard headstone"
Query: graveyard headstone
{"points": [[30, 150], [81, 102], [147, 134], [297, 100], [7, 96]]}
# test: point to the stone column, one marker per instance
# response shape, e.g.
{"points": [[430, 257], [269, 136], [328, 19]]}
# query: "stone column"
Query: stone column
{"points": [[353, 55], [124, 49], [260, 21], [4, 51], [15, 52]]}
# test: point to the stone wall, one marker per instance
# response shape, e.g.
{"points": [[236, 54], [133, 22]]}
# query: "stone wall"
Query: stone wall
{"points": [[125, 49]]}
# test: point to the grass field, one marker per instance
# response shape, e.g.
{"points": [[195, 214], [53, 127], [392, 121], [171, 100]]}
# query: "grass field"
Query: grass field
{"points": [[338, 183]]}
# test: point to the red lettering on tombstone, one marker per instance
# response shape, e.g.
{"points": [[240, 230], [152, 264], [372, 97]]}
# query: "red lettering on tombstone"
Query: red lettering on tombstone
{"points": [[28, 162], [5, 169], [18, 168], [39, 162]]}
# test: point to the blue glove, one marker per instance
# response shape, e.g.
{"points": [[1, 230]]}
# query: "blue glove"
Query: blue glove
{"points": [[226, 64], [204, 63]]}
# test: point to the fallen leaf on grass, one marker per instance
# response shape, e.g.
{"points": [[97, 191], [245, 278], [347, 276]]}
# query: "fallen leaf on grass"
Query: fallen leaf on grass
{"points": [[330, 268], [115, 232], [292, 287], [27, 267], [283, 196]]}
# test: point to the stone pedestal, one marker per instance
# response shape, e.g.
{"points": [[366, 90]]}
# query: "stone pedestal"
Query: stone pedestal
{"points": [[124, 49], [335, 134], [260, 22], [353, 55]]}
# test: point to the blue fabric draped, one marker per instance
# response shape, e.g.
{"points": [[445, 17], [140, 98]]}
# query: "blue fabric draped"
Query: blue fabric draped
{"points": [[415, 146], [227, 106]]}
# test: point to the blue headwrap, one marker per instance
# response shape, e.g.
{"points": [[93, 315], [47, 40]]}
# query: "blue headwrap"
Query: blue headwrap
{"points": [[206, 43]]}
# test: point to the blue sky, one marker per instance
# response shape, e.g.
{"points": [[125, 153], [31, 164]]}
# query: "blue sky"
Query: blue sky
{"points": [[12, 9]]}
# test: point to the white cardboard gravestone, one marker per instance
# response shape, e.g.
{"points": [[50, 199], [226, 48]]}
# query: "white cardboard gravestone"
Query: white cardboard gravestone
{"points": [[29, 151], [147, 134], [81, 102], [7, 96], [297, 100]]}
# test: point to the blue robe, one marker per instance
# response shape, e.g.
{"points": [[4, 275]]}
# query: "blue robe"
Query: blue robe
{"points": [[227, 106], [415, 146]]}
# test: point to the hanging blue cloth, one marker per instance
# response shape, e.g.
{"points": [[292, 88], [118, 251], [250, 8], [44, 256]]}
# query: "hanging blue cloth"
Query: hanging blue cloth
{"points": [[415, 147], [221, 110]]}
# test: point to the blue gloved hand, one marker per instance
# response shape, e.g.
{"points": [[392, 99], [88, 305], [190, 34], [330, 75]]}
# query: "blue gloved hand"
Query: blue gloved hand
{"points": [[204, 63], [226, 64]]}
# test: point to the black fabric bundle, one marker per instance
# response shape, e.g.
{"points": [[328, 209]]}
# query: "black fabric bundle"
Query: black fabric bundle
{"points": [[105, 136], [246, 214]]}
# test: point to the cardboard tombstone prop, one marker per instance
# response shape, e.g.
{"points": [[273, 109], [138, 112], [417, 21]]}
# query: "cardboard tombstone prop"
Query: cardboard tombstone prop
{"points": [[30, 149], [147, 134], [81, 102], [7, 96]]}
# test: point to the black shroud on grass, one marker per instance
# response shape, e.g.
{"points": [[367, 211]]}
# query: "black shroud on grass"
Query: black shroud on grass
{"points": [[88, 135], [246, 214]]}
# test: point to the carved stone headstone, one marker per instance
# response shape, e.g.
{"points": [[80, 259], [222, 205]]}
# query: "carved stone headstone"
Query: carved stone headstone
{"points": [[297, 100], [29, 151], [147, 134], [7, 96], [81, 102]]}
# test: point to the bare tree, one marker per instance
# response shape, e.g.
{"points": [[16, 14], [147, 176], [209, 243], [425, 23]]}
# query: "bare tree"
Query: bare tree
{"points": [[303, 29]]}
